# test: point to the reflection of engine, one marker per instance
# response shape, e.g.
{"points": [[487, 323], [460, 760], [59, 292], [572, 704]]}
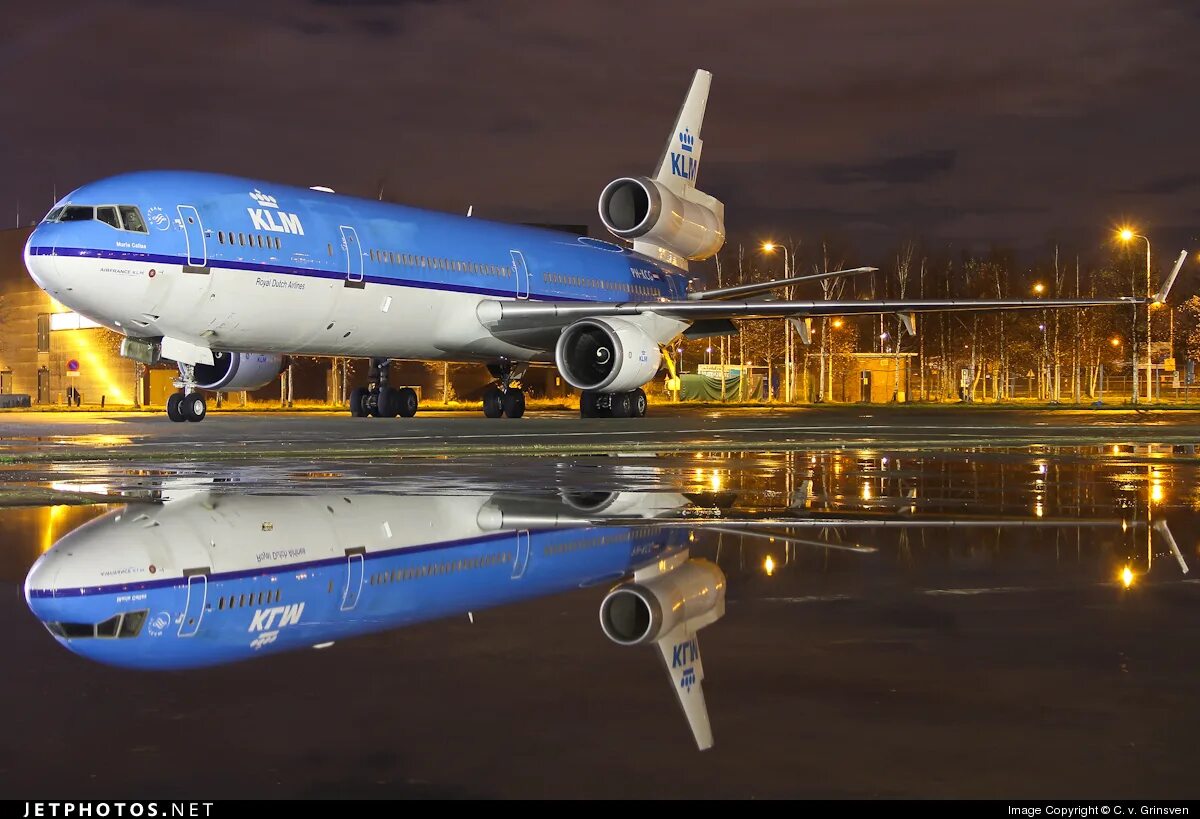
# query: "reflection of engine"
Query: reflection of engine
{"points": [[644, 611], [608, 354], [238, 371], [640, 208]]}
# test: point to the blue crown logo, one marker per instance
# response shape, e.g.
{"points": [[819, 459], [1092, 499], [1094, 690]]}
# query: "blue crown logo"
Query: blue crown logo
{"points": [[686, 140]]}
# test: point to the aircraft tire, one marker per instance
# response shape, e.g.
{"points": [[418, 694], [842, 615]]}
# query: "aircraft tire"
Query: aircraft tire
{"points": [[514, 403], [406, 401], [639, 403], [622, 405], [194, 407], [388, 403], [493, 402], [358, 397], [174, 407], [587, 405]]}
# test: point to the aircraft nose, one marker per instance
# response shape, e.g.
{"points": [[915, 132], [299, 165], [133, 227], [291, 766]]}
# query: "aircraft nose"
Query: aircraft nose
{"points": [[40, 260], [39, 583]]}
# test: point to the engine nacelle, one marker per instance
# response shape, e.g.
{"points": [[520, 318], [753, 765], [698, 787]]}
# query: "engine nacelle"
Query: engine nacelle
{"points": [[239, 371], [643, 612], [640, 208], [606, 354]]}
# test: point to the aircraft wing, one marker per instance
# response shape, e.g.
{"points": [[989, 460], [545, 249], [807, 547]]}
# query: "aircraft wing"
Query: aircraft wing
{"points": [[501, 316]]}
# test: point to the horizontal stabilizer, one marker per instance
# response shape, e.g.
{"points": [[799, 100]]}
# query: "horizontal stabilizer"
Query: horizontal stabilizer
{"points": [[775, 284]]}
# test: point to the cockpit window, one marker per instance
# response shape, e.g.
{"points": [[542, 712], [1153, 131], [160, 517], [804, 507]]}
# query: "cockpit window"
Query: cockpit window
{"points": [[53, 215], [108, 215], [77, 213], [132, 217], [128, 624]]}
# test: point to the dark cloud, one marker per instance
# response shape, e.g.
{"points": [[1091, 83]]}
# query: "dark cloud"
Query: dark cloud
{"points": [[1016, 122], [1175, 183], [895, 170]]}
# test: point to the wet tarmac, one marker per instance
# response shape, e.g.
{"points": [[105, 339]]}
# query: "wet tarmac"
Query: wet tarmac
{"points": [[1001, 619], [81, 436]]}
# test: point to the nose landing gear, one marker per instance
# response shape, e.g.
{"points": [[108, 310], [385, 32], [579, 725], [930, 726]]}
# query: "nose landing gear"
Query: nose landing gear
{"points": [[378, 399], [503, 398], [188, 404]]}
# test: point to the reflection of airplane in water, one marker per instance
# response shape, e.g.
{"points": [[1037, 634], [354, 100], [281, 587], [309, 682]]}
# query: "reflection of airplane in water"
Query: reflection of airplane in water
{"points": [[215, 578]]}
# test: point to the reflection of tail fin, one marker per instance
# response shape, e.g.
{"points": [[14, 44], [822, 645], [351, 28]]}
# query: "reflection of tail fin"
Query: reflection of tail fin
{"points": [[680, 651], [1164, 531], [667, 603], [680, 162]]}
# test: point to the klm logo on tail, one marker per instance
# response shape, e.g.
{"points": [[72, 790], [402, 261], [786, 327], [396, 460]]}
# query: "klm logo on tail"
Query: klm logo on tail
{"points": [[270, 218], [686, 654], [683, 164]]}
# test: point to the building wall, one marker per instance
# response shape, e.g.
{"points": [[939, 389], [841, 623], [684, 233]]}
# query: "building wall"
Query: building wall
{"points": [[881, 372]]}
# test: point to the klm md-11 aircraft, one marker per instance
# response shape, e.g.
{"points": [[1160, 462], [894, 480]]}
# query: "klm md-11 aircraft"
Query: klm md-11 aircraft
{"points": [[227, 276]]}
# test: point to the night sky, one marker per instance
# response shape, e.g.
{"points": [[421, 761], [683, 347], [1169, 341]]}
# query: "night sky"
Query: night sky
{"points": [[963, 123]]}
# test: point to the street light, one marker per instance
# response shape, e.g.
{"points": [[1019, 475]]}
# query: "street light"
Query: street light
{"points": [[771, 247], [1128, 235], [1115, 341]]}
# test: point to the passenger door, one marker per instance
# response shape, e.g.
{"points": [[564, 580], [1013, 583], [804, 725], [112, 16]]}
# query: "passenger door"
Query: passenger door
{"points": [[354, 256], [521, 561], [197, 598], [193, 231], [354, 578], [521, 271]]}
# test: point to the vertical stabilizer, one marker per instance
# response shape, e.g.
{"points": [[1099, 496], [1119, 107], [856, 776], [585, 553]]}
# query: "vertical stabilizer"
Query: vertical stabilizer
{"points": [[680, 162]]}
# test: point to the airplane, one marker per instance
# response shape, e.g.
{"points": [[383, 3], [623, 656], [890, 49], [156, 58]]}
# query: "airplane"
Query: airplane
{"points": [[227, 276]]}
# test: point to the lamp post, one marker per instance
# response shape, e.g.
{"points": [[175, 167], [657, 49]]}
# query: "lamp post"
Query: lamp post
{"points": [[770, 247], [1127, 235]]}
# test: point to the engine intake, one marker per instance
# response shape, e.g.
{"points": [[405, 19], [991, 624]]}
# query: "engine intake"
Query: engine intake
{"points": [[641, 208], [606, 354], [636, 613], [239, 371]]}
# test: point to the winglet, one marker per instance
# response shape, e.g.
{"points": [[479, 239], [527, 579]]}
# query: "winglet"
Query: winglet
{"points": [[1161, 296]]}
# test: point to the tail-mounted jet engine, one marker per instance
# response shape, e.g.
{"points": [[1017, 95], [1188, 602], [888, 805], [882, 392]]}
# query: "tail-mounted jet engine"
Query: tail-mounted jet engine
{"points": [[639, 208]]}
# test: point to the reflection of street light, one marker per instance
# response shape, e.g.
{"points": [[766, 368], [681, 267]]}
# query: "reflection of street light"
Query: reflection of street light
{"points": [[769, 565], [1128, 235], [1039, 288], [837, 323]]}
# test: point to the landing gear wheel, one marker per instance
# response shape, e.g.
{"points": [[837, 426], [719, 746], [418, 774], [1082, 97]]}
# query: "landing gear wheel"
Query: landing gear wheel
{"points": [[358, 402], [639, 403], [514, 403], [587, 404], [493, 402], [175, 408], [194, 407], [622, 405], [387, 405], [406, 402]]}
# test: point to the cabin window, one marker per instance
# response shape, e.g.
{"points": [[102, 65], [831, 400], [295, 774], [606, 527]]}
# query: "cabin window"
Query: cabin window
{"points": [[260, 244], [241, 239], [221, 236], [277, 243], [108, 215], [330, 246], [132, 218], [220, 603]]}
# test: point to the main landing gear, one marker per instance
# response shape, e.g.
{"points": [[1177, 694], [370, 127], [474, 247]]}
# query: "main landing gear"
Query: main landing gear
{"points": [[630, 404], [503, 398], [186, 405], [378, 399]]}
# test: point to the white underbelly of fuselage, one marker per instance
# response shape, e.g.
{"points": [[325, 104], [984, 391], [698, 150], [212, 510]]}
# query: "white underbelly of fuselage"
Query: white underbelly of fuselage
{"points": [[248, 311]]}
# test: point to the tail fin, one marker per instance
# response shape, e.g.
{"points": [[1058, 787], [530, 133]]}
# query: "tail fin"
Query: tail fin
{"points": [[680, 162]]}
